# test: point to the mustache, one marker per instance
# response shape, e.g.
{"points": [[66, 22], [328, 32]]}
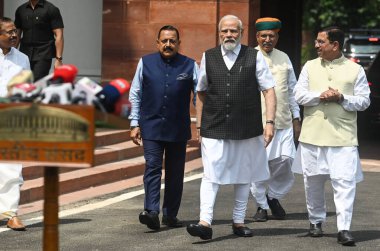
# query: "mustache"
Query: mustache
{"points": [[168, 49], [267, 44], [229, 40]]}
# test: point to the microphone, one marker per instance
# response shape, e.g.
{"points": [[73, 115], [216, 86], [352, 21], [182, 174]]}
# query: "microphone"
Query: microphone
{"points": [[24, 92], [85, 91], [57, 94], [61, 74], [112, 92], [64, 74], [59, 85]]}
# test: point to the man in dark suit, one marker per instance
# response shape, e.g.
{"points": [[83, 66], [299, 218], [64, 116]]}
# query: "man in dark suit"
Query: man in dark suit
{"points": [[160, 116]]}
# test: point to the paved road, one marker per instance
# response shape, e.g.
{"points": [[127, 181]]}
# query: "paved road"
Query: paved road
{"points": [[112, 224]]}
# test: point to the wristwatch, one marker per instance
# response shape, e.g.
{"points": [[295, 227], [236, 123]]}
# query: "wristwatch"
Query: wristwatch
{"points": [[270, 122], [59, 58], [133, 127]]}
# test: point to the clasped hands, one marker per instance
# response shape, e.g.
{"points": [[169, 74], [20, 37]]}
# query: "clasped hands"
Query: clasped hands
{"points": [[331, 95]]}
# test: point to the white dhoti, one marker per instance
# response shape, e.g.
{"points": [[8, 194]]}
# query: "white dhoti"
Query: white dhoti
{"points": [[280, 153], [235, 162], [10, 182], [339, 164]]}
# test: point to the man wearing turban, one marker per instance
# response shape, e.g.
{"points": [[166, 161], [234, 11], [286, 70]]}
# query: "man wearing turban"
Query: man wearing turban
{"points": [[281, 150]]}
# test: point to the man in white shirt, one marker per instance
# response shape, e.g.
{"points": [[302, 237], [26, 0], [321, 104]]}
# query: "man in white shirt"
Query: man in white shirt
{"points": [[228, 108], [332, 89], [12, 61]]}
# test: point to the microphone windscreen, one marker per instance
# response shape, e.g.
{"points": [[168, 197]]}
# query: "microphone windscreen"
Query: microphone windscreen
{"points": [[121, 85], [108, 97], [25, 76], [66, 73]]}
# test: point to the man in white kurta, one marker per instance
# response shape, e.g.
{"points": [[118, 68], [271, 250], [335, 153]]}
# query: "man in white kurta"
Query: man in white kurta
{"points": [[12, 61], [332, 89], [228, 161], [281, 150]]}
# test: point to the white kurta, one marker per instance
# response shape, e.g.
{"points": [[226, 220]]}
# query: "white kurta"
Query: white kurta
{"points": [[236, 161], [11, 64], [282, 144], [338, 162], [10, 174]]}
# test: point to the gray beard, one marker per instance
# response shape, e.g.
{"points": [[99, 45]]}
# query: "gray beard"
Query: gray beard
{"points": [[230, 46]]}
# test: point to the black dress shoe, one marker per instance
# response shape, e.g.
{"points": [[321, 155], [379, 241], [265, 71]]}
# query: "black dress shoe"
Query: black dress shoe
{"points": [[203, 232], [261, 215], [315, 230], [171, 221], [242, 231], [277, 211], [150, 219], [345, 238]]}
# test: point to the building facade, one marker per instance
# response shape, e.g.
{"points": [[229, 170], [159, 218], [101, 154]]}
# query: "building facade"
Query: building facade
{"points": [[129, 28]]}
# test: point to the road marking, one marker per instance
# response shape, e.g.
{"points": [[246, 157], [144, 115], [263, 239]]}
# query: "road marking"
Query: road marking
{"points": [[97, 205]]}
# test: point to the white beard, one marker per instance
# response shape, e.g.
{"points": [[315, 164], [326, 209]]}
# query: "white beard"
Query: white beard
{"points": [[230, 46]]}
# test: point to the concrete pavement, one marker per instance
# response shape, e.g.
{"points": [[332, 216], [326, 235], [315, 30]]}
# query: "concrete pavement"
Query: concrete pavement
{"points": [[110, 222]]}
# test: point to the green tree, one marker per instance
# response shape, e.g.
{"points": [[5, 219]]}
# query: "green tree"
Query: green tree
{"points": [[345, 14]]}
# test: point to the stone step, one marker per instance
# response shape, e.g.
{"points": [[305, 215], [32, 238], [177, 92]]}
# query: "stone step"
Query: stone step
{"points": [[79, 179], [104, 137]]}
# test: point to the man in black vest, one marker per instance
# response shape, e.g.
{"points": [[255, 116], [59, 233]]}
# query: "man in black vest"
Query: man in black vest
{"points": [[229, 118], [160, 116]]}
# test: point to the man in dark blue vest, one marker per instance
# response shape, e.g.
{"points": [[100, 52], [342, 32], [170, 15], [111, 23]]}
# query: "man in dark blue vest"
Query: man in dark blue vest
{"points": [[160, 117]]}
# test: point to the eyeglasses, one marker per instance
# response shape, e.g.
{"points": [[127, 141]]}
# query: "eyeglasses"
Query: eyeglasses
{"points": [[10, 33]]}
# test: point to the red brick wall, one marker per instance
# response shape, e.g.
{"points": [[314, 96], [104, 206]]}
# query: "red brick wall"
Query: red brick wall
{"points": [[130, 28]]}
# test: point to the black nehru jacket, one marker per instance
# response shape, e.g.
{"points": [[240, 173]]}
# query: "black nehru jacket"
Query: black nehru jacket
{"points": [[232, 106], [37, 27]]}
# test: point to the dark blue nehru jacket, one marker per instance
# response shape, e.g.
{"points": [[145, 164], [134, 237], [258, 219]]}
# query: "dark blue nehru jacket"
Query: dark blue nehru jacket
{"points": [[165, 102]]}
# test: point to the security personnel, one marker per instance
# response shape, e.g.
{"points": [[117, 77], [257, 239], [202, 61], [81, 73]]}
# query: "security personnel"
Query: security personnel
{"points": [[41, 26]]}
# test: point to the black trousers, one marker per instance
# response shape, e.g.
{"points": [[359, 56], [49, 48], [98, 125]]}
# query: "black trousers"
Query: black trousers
{"points": [[40, 68]]}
